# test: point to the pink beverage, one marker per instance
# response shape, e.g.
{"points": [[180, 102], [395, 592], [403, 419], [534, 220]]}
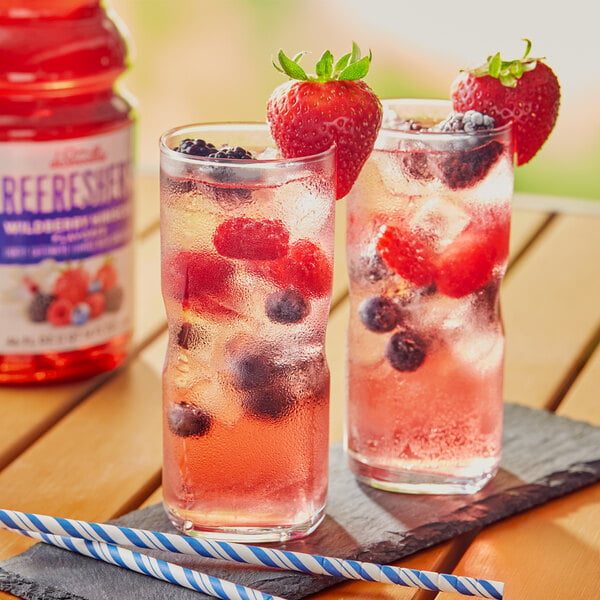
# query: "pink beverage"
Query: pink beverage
{"points": [[247, 245], [428, 232]]}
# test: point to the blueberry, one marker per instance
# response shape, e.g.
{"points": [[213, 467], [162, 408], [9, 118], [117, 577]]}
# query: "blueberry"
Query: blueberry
{"points": [[268, 404], [95, 286], [379, 313], [286, 306], [186, 420], [405, 351], [252, 371], [81, 314]]}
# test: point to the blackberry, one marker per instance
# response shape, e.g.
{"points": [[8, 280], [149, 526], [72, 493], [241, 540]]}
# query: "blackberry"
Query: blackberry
{"points": [[268, 404], [114, 299], [415, 165], [307, 380], [38, 307], [195, 147], [406, 351], [379, 314], [461, 169], [190, 336], [186, 420], [252, 371], [286, 306], [468, 122], [372, 268], [236, 153]]}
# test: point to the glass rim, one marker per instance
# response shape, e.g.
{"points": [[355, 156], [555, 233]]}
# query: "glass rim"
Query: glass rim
{"points": [[436, 103], [278, 162]]}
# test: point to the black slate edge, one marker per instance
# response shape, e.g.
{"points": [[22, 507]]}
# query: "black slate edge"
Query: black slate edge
{"points": [[24, 588]]}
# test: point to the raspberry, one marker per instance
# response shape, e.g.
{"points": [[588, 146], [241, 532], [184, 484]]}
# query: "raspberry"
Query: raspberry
{"points": [[405, 351], [191, 275], [96, 302], [38, 307], [72, 285], [286, 306], [379, 314], [59, 312], [406, 254], [467, 263], [186, 420], [251, 239], [306, 268]]}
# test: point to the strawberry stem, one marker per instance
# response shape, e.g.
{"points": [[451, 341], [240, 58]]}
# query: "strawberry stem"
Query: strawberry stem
{"points": [[508, 72], [349, 67]]}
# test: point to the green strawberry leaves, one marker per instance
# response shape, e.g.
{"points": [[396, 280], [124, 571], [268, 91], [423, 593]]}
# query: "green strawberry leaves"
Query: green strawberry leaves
{"points": [[508, 72], [350, 67]]}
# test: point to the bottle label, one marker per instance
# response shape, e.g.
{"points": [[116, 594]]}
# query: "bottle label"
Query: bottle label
{"points": [[66, 256]]}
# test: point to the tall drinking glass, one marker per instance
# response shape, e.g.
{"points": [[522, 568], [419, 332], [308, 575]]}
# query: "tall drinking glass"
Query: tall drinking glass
{"points": [[247, 250], [427, 243]]}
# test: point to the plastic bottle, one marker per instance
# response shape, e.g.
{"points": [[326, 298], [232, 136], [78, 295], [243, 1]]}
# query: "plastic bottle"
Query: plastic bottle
{"points": [[66, 155]]}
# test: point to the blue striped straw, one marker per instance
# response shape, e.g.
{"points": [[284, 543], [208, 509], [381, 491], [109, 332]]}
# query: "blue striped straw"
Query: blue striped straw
{"points": [[270, 557], [147, 565]]}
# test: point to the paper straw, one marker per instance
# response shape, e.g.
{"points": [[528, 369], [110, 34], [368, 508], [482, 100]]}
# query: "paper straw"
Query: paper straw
{"points": [[147, 565], [270, 557]]}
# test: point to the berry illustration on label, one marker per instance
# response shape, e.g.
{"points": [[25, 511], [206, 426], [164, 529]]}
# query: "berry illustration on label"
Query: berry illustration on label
{"points": [[77, 295]]}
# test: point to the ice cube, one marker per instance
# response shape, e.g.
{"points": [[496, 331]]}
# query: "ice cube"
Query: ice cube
{"points": [[440, 220]]}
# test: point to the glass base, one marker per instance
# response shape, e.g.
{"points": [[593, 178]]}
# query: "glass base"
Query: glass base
{"points": [[418, 482], [279, 533]]}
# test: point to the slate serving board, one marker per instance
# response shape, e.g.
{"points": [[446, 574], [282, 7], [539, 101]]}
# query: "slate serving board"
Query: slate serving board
{"points": [[545, 456]]}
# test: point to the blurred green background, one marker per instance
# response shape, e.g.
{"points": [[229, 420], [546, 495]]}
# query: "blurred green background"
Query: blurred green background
{"points": [[198, 60]]}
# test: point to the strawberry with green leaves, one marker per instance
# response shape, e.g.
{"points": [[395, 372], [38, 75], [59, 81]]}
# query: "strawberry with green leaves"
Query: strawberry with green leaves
{"points": [[310, 113], [525, 91]]}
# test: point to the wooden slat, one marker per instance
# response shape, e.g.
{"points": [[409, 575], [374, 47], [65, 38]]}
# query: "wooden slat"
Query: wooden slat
{"points": [[100, 460], [583, 399], [549, 317]]}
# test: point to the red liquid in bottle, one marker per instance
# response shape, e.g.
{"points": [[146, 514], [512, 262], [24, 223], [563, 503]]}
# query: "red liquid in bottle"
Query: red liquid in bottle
{"points": [[65, 193]]}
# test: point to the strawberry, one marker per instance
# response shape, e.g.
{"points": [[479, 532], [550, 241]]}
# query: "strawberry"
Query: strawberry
{"points": [[309, 114], [107, 275], [525, 91]]}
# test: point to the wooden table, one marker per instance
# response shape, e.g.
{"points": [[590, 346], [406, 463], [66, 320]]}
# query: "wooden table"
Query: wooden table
{"points": [[92, 450]]}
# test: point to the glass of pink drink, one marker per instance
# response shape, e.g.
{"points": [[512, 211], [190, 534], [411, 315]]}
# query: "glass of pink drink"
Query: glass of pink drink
{"points": [[427, 243], [247, 245]]}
